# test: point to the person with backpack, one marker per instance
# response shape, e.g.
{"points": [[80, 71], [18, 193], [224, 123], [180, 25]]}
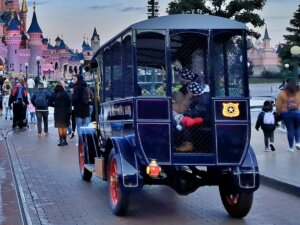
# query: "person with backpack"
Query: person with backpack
{"points": [[80, 102], [288, 109], [40, 100], [18, 100], [267, 121]]}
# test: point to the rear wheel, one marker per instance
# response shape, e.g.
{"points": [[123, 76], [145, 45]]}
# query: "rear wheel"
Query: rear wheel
{"points": [[85, 174], [118, 198], [237, 204]]}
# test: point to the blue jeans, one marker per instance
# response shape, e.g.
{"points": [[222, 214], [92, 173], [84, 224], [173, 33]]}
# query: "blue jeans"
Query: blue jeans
{"points": [[42, 115], [81, 122], [292, 123]]}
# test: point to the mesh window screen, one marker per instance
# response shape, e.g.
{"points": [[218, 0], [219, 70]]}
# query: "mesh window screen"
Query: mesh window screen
{"points": [[228, 65], [107, 74], [151, 63], [191, 93], [127, 66], [116, 71]]}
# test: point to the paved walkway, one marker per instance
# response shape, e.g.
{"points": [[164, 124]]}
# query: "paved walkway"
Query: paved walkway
{"points": [[279, 169]]}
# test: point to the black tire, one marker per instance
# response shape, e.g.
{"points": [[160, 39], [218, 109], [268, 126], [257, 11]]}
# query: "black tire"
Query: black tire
{"points": [[237, 204], [85, 174], [118, 198]]}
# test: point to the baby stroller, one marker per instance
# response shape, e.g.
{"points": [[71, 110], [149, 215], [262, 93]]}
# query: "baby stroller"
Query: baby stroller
{"points": [[19, 118]]}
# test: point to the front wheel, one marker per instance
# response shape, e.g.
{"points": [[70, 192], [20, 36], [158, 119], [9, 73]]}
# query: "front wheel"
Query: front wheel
{"points": [[118, 198], [85, 174], [237, 204]]}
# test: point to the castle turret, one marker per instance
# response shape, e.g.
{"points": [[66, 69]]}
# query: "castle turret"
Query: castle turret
{"points": [[13, 40], [35, 43], [13, 5], [23, 15], [95, 41], [266, 40], [2, 6]]}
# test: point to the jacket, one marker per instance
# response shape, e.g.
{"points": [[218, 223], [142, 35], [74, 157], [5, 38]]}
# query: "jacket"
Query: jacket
{"points": [[281, 101]]}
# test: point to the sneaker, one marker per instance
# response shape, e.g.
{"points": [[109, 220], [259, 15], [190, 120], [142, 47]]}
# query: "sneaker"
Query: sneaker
{"points": [[39, 134], [290, 149], [272, 147], [297, 146], [46, 133], [267, 149]]}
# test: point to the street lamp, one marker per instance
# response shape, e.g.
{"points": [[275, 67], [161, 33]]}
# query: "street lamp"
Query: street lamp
{"points": [[81, 66], [26, 69], [286, 66], [295, 51], [38, 60], [49, 73]]}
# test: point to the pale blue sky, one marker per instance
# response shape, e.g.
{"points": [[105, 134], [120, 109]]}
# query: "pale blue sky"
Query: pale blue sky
{"points": [[73, 18]]}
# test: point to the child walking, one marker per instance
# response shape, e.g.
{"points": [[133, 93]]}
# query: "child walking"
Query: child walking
{"points": [[6, 106], [31, 109], [266, 120]]}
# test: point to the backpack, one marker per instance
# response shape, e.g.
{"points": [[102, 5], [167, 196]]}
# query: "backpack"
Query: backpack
{"points": [[41, 100], [269, 118], [19, 98], [85, 96], [291, 105]]}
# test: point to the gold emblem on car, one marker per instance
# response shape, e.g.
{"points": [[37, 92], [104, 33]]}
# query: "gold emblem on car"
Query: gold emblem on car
{"points": [[231, 109]]}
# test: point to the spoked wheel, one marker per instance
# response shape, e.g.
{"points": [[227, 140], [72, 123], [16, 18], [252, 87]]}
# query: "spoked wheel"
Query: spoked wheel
{"points": [[118, 198], [85, 174], [237, 204]]}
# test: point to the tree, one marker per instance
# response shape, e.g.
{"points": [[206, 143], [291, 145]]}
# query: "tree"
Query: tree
{"points": [[240, 10], [292, 39]]}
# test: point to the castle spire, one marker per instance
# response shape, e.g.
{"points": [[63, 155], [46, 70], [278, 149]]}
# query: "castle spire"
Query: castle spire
{"points": [[24, 8], [34, 27], [266, 36]]}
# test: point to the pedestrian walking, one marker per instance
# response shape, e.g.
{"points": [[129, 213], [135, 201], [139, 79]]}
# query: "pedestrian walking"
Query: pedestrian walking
{"points": [[266, 120], [5, 101], [61, 102], [80, 102], [31, 110], [18, 100], [40, 99], [287, 108]]}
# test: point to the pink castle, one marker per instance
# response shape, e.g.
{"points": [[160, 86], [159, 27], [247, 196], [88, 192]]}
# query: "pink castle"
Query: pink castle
{"points": [[262, 57], [20, 48]]}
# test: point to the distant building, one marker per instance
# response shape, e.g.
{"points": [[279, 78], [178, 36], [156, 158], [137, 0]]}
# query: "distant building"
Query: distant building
{"points": [[262, 57], [19, 46]]}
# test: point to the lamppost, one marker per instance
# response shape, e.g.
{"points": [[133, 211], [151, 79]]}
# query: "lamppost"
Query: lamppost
{"points": [[26, 69], [38, 60], [81, 66], [37, 78], [49, 71], [295, 51]]}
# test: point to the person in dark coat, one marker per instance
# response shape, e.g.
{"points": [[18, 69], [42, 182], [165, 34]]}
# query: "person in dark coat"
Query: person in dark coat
{"points": [[61, 102], [81, 107]]}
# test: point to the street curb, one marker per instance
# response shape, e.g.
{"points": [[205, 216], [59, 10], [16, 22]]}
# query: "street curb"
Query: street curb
{"points": [[280, 185]]}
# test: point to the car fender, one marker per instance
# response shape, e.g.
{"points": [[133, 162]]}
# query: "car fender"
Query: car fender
{"points": [[127, 163]]}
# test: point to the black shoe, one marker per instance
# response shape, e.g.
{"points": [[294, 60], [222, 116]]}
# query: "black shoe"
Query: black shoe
{"points": [[72, 135], [272, 147], [65, 141], [6, 118], [61, 142]]}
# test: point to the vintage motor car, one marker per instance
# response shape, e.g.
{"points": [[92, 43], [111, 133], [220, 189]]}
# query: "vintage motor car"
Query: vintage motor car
{"points": [[174, 110]]}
